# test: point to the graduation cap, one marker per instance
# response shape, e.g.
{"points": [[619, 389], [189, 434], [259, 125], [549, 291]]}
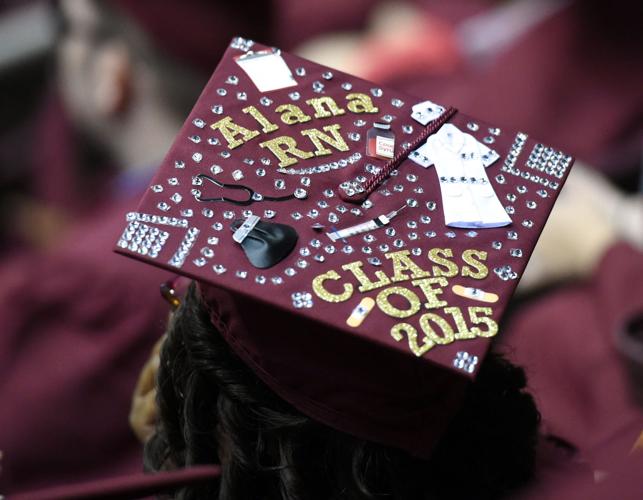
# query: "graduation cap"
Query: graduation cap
{"points": [[357, 245]]}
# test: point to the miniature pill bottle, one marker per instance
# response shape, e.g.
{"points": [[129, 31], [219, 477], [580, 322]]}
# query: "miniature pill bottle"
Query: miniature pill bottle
{"points": [[380, 141]]}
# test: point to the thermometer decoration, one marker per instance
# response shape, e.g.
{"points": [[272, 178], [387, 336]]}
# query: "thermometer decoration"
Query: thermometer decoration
{"points": [[365, 227]]}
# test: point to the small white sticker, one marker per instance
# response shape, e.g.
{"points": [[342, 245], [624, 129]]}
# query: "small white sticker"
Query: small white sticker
{"points": [[384, 146]]}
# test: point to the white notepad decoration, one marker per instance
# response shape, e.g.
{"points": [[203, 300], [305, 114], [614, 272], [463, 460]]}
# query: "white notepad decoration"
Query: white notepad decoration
{"points": [[267, 70]]}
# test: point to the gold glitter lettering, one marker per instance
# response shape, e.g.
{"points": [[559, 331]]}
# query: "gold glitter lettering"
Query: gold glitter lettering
{"points": [[316, 136], [366, 284], [398, 331], [331, 107], [387, 308], [481, 270], [322, 293], [291, 114], [360, 103], [283, 146], [440, 257], [480, 315], [447, 332], [431, 294], [403, 263], [231, 130], [463, 332], [266, 125]]}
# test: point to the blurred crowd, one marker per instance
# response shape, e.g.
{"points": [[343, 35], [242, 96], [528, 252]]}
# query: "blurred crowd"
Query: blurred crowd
{"points": [[92, 93]]}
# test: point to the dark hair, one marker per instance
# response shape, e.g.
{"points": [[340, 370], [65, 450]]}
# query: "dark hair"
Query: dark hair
{"points": [[213, 409]]}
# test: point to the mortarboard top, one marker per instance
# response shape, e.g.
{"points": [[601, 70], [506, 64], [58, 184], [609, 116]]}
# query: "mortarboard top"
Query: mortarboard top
{"points": [[374, 333]]}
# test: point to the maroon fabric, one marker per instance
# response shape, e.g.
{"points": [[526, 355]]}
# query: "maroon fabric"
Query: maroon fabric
{"points": [[367, 391], [566, 81], [566, 343], [196, 32], [127, 487], [77, 325], [310, 356]]}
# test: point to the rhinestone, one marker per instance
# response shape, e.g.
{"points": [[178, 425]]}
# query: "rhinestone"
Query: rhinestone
{"points": [[232, 80], [528, 223], [216, 169], [313, 214], [376, 92], [219, 268], [515, 252], [242, 96], [294, 96], [407, 129], [489, 140], [398, 103], [412, 236], [207, 252], [280, 184], [367, 204], [494, 131], [511, 197], [305, 181], [296, 215], [512, 235], [197, 157], [261, 280], [265, 101], [222, 91], [542, 193], [237, 175], [522, 189], [359, 123], [431, 205], [228, 214], [450, 234], [398, 188], [425, 219], [269, 214], [301, 194], [347, 249], [354, 136], [302, 264], [315, 243], [500, 179], [304, 252], [356, 211], [213, 141], [369, 238], [383, 247], [195, 139], [367, 250], [341, 209], [217, 226], [347, 85], [200, 262], [411, 177], [290, 272], [411, 224], [157, 188], [333, 218], [473, 126], [198, 122], [322, 204], [374, 261], [213, 240], [497, 245], [398, 243], [176, 198], [388, 118], [277, 280], [390, 231], [187, 212], [173, 181], [247, 213], [300, 71], [163, 206], [531, 204], [330, 249], [318, 86], [217, 109], [471, 234], [241, 274], [260, 172]]}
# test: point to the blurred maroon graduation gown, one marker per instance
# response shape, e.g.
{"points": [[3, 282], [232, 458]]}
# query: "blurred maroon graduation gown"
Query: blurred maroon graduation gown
{"points": [[77, 326]]}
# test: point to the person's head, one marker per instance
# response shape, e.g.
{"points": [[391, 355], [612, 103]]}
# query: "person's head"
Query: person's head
{"points": [[214, 409]]}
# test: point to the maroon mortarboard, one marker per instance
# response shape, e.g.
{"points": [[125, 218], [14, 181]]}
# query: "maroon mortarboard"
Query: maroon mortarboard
{"points": [[357, 245]]}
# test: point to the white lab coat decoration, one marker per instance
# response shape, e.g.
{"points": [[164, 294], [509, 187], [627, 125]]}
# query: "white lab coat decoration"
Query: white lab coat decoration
{"points": [[468, 198]]}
